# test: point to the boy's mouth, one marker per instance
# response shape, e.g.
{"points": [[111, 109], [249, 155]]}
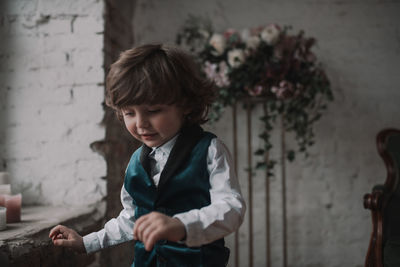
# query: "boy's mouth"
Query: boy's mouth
{"points": [[148, 136]]}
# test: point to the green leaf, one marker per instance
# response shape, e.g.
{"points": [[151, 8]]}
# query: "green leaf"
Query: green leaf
{"points": [[259, 152], [267, 146], [261, 166], [264, 136], [290, 155]]}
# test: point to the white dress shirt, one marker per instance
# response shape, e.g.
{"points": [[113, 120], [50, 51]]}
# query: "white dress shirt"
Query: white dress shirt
{"points": [[223, 216]]}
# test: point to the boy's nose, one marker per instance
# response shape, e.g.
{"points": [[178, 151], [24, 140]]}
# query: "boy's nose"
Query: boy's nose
{"points": [[142, 122]]}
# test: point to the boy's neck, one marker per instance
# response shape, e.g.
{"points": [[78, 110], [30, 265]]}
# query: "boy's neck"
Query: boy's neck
{"points": [[169, 144]]}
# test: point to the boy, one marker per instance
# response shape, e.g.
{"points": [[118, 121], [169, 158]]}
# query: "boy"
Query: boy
{"points": [[180, 194]]}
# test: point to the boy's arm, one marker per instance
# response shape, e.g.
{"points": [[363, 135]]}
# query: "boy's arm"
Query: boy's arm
{"points": [[116, 230], [226, 212]]}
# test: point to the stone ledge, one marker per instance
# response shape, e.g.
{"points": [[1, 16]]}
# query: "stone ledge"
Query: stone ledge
{"points": [[28, 240]]}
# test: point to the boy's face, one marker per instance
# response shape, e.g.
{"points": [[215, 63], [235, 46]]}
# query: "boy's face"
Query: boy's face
{"points": [[153, 125]]}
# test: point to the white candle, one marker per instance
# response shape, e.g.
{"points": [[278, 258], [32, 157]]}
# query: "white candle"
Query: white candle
{"points": [[5, 189], [4, 178], [3, 224]]}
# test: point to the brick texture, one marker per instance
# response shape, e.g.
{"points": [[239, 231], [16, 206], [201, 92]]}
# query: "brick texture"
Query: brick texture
{"points": [[51, 89]]}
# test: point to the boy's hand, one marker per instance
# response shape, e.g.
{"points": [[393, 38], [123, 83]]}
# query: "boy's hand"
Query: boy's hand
{"points": [[156, 226], [65, 237]]}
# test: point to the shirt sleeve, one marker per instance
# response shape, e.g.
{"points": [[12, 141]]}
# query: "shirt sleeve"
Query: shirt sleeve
{"points": [[116, 230], [226, 212]]}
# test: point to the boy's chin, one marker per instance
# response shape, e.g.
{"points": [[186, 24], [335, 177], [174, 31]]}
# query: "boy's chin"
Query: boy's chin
{"points": [[152, 143]]}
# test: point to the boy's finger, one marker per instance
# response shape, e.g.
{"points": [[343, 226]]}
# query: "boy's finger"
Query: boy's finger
{"points": [[141, 229], [57, 229], [55, 236], [54, 230], [147, 232], [137, 228], [148, 245], [63, 243], [141, 219], [153, 238]]}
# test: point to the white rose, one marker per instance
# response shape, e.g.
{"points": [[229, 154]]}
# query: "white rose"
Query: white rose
{"points": [[218, 42], [270, 34], [235, 57], [253, 42]]}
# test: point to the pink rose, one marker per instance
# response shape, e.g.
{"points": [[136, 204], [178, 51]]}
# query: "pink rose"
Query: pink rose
{"points": [[284, 91], [255, 91]]}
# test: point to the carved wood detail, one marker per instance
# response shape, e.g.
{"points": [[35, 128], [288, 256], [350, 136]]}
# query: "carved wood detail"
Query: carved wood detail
{"points": [[378, 199]]}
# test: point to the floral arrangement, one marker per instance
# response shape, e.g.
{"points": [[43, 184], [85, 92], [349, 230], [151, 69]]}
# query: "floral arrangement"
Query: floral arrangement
{"points": [[267, 64]]}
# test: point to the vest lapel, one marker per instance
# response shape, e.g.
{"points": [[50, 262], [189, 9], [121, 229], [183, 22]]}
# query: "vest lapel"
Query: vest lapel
{"points": [[144, 160], [186, 141]]}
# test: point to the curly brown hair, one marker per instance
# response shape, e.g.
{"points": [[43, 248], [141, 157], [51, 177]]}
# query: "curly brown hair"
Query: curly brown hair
{"points": [[159, 74]]}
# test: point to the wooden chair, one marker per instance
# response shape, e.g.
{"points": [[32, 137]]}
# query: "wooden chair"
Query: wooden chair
{"points": [[384, 203]]}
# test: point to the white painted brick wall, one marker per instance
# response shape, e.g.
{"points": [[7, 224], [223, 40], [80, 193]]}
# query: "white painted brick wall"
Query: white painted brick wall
{"points": [[359, 43], [51, 73]]}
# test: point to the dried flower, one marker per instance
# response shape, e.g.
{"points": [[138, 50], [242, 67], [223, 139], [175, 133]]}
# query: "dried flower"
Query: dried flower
{"points": [[218, 42], [255, 91], [270, 34], [229, 32], [236, 57], [217, 73], [284, 91], [253, 42], [268, 63]]}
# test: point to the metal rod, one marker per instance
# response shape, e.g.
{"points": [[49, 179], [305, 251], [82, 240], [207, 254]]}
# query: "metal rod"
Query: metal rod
{"points": [[235, 160], [250, 188], [267, 204], [284, 217]]}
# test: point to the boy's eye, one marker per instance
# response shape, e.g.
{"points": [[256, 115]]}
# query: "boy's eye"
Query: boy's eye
{"points": [[128, 113]]}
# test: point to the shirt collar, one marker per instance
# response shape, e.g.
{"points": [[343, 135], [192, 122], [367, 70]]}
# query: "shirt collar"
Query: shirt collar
{"points": [[166, 147]]}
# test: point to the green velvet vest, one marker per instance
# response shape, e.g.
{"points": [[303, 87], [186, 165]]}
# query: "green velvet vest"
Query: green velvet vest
{"points": [[184, 185]]}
